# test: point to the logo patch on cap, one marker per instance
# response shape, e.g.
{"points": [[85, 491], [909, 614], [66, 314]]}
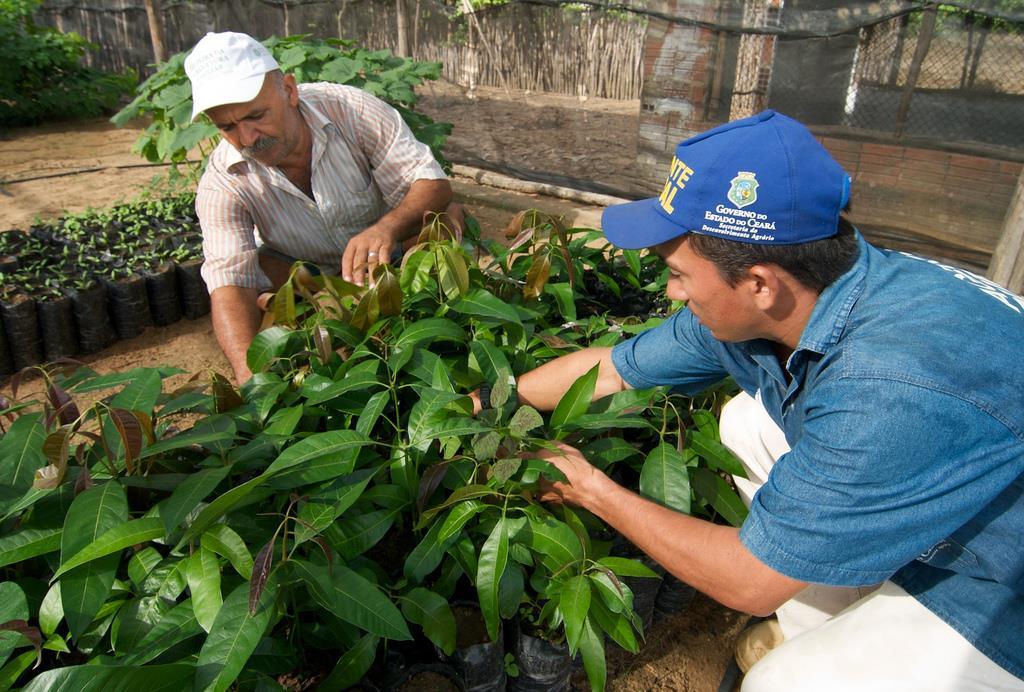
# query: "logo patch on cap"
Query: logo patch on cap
{"points": [[744, 189]]}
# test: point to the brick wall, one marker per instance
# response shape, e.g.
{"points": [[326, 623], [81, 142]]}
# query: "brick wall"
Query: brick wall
{"points": [[958, 198]]}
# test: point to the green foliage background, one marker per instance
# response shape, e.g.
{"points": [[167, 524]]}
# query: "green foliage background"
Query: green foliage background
{"points": [[42, 77], [166, 97]]}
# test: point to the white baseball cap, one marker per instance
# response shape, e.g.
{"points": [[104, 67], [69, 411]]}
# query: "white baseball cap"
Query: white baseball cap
{"points": [[226, 67]]}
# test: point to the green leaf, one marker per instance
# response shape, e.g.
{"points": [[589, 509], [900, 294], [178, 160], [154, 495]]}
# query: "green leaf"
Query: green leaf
{"points": [[28, 543], [115, 540], [352, 666], [554, 542], [224, 541], [491, 567], [431, 611], [187, 439], [489, 360], [427, 555], [372, 412], [233, 637], [715, 490], [189, 494], [576, 400], [312, 518], [141, 394], [360, 532], [457, 518], [525, 419], [203, 575], [84, 590], [350, 597], [592, 647], [174, 627], [13, 606], [626, 567], [664, 478], [483, 303], [430, 329], [564, 299], [21, 454], [219, 507], [171, 677], [574, 605], [318, 446], [267, 346], [715, 453]]}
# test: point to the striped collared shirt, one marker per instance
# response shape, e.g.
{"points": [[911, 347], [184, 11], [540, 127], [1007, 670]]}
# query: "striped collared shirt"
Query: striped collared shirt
{"points": [[365, 158]]}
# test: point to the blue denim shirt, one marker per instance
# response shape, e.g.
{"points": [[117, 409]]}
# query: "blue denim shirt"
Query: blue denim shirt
{"points": [[905, 414]]}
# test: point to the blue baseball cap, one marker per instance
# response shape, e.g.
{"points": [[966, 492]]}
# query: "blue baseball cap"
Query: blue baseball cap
{"points": [[763, 179]]}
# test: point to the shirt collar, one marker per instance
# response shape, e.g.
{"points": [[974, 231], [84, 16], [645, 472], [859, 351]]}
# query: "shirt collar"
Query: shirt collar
{"points": [[832, 309], [318, 127]]}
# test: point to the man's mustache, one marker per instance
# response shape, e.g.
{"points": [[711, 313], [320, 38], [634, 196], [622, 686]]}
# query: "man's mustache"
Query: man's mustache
{"points": [[259, 146]]}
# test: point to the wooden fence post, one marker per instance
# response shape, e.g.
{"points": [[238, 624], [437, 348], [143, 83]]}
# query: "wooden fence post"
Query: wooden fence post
{"points": [[154, 13], [1007, 265]]}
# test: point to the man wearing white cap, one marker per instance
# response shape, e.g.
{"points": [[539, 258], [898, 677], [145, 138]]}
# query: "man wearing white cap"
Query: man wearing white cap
{"points": [[881, 424], [322, 172]]}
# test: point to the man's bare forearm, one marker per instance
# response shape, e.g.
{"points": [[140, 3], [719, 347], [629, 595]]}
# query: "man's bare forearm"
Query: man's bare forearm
{"points": [[424, 195], [236, 319], [544, 386]]}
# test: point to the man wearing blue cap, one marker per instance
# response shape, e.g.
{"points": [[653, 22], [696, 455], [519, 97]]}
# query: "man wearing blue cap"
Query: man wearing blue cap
{"points": [[881, 423]]}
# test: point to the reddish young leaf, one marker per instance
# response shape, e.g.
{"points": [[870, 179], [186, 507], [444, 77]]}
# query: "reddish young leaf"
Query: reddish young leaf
{"points": [[32, 634], [56, 447], [432, 478], [225, 395], [67, 411], [130, 432], [260, 572], [84, 480]]}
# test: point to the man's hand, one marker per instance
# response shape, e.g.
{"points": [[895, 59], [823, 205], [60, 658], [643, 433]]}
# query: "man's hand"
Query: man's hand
{"points": [[366, 250], [585, 482]]}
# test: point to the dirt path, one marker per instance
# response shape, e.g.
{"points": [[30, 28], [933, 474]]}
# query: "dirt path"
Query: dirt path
{"points": [[687, 652]]}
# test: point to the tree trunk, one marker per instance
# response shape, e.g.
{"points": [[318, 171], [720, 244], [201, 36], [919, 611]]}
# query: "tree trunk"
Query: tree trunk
{"points": [[402, 49], [156, 29], [1007, 265]]}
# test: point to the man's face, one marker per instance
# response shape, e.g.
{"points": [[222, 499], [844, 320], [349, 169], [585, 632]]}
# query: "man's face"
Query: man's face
{"points": [[728, 311], [266, 128]]}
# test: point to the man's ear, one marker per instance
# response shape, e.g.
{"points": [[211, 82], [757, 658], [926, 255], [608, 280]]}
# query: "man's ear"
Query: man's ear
{"points": [[291, 88], [764, 285]]}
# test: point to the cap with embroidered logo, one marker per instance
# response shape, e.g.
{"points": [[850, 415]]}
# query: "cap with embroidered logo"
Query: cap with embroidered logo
{"points": [[763, 179], [226, 67]]}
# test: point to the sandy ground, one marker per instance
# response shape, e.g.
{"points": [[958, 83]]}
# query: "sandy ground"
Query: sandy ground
{"points": [[687, 652]]}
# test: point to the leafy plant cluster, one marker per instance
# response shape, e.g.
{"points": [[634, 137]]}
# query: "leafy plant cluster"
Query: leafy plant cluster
{"points": [[43, 77], [166, 97], [334, 507], [76, 251]]}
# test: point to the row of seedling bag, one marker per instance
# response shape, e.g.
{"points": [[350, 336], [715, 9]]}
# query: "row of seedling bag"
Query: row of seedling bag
{"points": [[80, 283]]}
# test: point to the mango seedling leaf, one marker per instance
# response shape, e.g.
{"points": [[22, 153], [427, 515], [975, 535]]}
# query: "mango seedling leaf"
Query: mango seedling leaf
{"points": [[114, 540], [466, 492], [268, 346], [503, 469], [537, 276], [354, 599], [427, 555], [170, 677], [284, 305], [664, 478], [352, 665], [130, 432], [484, 304], [28, 543], [388, 290], [554, 542], [177, 625], [490, 568], [203, 574], [626, 567], [260, 572], [429, 482], [14, 614], [86, 589], [431, 611], [235, 633], [715, 490], [454, 273], [63, 405], [430, 329], [715, 453], [565, 301], [187, 496], [21, 453], [225, 396], [224, 541], [591, 645], [576, 400], [616, 625], [488, 360], [574, 606]]}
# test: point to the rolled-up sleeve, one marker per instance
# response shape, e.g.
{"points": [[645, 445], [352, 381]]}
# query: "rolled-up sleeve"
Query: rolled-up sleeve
{"points": [[229, 243]]}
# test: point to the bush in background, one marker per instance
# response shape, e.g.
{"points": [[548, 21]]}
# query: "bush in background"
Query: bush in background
{"points": [[43, 78]]}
